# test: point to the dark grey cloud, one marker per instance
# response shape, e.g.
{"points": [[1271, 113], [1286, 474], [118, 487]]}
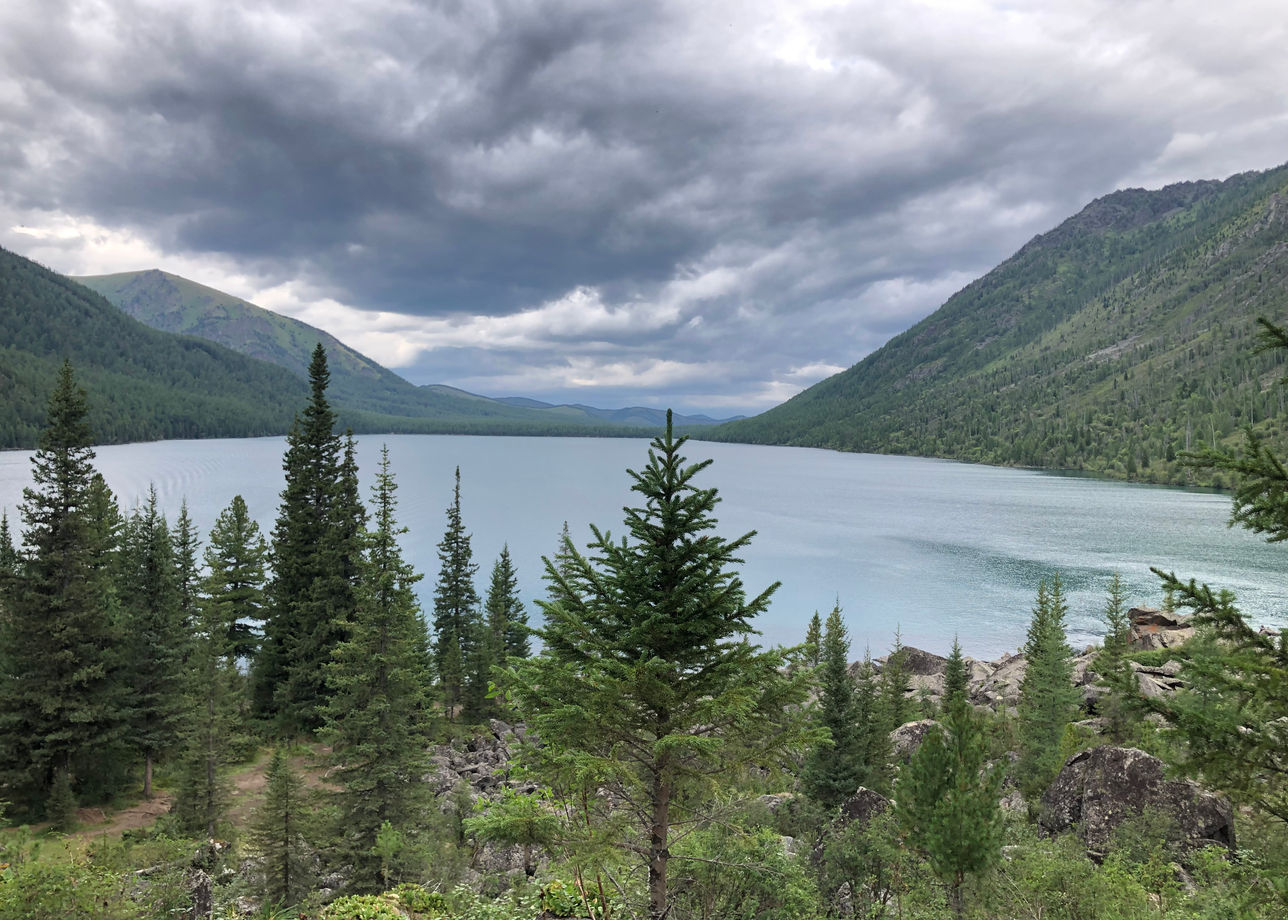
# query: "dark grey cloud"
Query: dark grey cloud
{"points": [[708, 204]]}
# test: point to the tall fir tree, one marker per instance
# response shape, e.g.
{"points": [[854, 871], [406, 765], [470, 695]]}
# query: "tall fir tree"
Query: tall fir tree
{"points": [[836, 769], [60, 705], [314, 561], [955, 676], [456, 609], [231, 600], [946, 799], [280, 832], [648, 678], [187, 545], [157, 638], [8, 553], [1048, 700], [377, 721], [1119, 706], [507, 620], [814, 641]]}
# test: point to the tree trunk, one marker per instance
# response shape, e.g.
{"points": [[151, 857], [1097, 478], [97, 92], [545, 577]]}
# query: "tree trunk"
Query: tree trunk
{"points": [[147, 776], [659, 830]]}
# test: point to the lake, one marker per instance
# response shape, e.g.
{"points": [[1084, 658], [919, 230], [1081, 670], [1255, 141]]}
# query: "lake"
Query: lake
{"points": [[930, 547]]}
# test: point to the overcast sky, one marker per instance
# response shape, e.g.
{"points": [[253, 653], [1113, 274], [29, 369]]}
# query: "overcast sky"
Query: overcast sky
{"points": [[702, 204]]}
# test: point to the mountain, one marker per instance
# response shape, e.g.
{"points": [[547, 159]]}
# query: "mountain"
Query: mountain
{"points": [[1110, 344], [636, 416], [143, 384], [174, 304]]}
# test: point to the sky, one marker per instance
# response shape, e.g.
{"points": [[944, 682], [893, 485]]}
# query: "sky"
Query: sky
{"points": [[702, 204]]}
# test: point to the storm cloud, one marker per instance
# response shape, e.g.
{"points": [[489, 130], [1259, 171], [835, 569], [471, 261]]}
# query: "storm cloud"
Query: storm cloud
{"points": [[707, 205]]}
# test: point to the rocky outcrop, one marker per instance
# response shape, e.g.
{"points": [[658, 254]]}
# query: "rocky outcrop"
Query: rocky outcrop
{"points": [[482, 763], [905, 739], [1152, 628], [1099, 789]]}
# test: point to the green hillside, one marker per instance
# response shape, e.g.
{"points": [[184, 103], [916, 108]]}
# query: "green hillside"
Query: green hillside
{"points": [[143, 384], [358, 384], [1110, 344]]}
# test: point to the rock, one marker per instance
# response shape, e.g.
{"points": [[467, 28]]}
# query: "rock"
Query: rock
{"points": [[1152, 628], [863, 806], [908, 737], [1014, 803], [1100, 788], [1002, 686], [920, 663], [777, 801]]}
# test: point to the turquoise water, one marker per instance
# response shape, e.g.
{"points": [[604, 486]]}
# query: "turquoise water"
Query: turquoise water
{"points": [[930, 547]]}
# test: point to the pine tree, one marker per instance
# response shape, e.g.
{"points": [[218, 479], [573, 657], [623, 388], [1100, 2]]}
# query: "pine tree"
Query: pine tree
{"points": [[836, 769], [955, 678], [157, 640], [1048, 700], [1119, 706], [8, 555], [60, 705], [648, 678], [314, 559], [507, 621], [187, 573], [814, 641], [231, 599], [279, 834], [946, 799], [456, 608], [377, 719]]}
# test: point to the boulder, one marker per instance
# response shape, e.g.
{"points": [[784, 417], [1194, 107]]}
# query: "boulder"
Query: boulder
{"points": [[1098, 789], [908, 737], [863, 806], [920, 663], [1152, 628], [1001, 688]]}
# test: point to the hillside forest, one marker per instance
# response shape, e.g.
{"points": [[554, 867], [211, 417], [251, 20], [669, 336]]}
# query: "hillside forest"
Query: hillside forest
{"points": [[323, 748]]}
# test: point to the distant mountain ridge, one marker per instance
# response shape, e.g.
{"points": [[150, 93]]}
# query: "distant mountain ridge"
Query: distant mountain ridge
{"points": [[1110, 344], [174, 304]]}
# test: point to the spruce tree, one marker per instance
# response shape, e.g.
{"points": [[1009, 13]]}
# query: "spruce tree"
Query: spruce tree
{"points": [[456, 609], [279, 834], [955, 678], [377, 718], [814, 641], [314, 559], [507, 621], [648, 679], [1119, 706], [232, 598], [187, 572], [836, 769], [1048, 700], [157, 639], [60, 700], [946, 799], [8, 555]]}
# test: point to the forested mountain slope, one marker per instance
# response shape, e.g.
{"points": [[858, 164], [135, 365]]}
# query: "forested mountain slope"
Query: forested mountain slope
{"points": [[174, 304], [144, 384], [1109, 344]]}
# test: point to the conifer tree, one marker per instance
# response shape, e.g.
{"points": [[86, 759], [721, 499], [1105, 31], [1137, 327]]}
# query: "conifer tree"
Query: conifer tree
{"points": [[8, 554], [1119, 706], [314, 559], [946, 799], [836, 769], [60, 707], [279, 834], [187, 573], [377, 718], [231, 599], [506, 619], [157, 640], [456, 609], [955, 678], [648, 678], [814, 641], [1048, 700]]}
